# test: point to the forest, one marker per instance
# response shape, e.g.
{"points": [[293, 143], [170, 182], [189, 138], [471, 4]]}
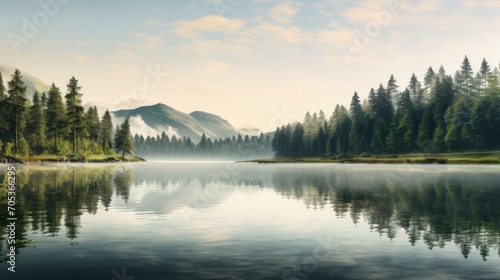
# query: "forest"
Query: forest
{"points": [[445, 113], [50, 124], [236, 147]]}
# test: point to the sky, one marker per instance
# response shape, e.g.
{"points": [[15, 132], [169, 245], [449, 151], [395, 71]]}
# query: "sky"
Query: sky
{"points": [[256, 63]]}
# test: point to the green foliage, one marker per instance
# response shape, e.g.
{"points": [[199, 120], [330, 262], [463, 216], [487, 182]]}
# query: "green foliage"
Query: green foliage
{"points": [[123, 140], [75, 112], [460, 114], [16, 108]]}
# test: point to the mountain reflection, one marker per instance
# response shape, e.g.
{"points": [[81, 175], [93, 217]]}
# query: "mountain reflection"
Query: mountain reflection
{"points": [[436, 208]]}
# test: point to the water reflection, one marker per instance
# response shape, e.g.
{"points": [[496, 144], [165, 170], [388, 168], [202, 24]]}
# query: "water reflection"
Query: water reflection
{"points": [[438, 209], [450, 207]]}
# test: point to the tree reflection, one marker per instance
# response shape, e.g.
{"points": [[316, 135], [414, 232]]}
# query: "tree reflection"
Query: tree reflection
{"points": [[47, 197], [434, 209]]}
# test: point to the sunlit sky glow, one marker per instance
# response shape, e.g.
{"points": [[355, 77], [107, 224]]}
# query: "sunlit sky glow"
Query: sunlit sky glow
{"points": [[259, 63]]}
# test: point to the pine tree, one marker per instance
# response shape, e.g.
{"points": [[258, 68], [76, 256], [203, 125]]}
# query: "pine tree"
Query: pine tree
{"points": [[416, 91], [56, 116], [106, 132], [465, 82], [392, 91], [429, 79], [203, 145], [297, 141], [92, 123], [484, 75], [123, 139], [356, 133], [75, 111], [36, 125], [16, 104]]}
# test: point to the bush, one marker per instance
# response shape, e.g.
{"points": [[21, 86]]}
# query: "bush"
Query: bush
{"points": [[365, 155]]}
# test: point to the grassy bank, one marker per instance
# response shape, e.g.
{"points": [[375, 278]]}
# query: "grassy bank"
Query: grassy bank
{"points": [[462, 158], [89, 159]]}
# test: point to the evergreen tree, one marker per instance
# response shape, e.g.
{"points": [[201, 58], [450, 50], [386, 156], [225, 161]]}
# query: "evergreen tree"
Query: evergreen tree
{"points": [[36, 125], [123, 139], [16, 105], [392, 91], [357, 129], [203, 145], [465, 78], [484, 75], [75, 111], [297, 141], [429, 79], [56, 116], [416, 91], [92, 123], [106, 132]]}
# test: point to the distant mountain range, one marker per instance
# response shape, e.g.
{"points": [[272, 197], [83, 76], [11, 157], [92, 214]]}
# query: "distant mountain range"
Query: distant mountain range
{"points": [[149, 120], [161, 117]]}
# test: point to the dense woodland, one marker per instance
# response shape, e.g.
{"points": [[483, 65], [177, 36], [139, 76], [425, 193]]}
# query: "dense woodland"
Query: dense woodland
{"points": [[442, 114], [49, 124], [236, 147]]}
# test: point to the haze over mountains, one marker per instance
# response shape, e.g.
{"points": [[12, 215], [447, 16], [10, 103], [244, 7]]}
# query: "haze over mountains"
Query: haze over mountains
{"points": [[163, 118], [146, 120]]}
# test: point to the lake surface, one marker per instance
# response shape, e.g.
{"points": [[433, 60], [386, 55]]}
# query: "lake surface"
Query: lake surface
{"points": [[221, 220]]}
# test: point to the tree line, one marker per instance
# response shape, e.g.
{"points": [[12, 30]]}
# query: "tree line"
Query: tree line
{"points": [[49, 124], [442, 114], [235, 147]]}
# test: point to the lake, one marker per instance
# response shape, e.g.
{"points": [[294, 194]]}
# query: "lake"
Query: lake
{"points": [[224, 220]]}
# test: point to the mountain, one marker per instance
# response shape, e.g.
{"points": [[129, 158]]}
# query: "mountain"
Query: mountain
{"points": [[31, 82], [157, 118]]}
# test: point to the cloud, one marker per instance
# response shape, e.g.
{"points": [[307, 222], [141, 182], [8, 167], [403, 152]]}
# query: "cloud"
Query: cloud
{"points": [[83, 43], [334, 37], [81, 58], [211, 23], [214, 68], [141, 42], [137, 35], [204, 47], [283, 13], [279, 34], [482, 3]]}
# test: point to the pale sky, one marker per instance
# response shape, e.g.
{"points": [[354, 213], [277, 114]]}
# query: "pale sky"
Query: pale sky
{"points": [[258, 63]]}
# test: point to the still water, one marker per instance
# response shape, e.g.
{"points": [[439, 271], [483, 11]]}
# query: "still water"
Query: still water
{"points": [[223, 220]]}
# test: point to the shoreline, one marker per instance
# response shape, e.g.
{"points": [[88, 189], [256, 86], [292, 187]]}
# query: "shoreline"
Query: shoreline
{"points": [[387, 160]]}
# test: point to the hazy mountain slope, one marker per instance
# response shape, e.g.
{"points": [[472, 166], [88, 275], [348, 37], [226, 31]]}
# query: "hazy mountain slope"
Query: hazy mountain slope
{"points": [[214, 124], [31, 82], [162, 117]]}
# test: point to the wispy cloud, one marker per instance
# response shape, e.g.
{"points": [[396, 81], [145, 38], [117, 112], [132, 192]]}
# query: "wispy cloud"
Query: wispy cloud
{"points": [[482, 3], [211, 23], [141, 41], [205, 47], [214, 68], [283, 13], [81, 58]]}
